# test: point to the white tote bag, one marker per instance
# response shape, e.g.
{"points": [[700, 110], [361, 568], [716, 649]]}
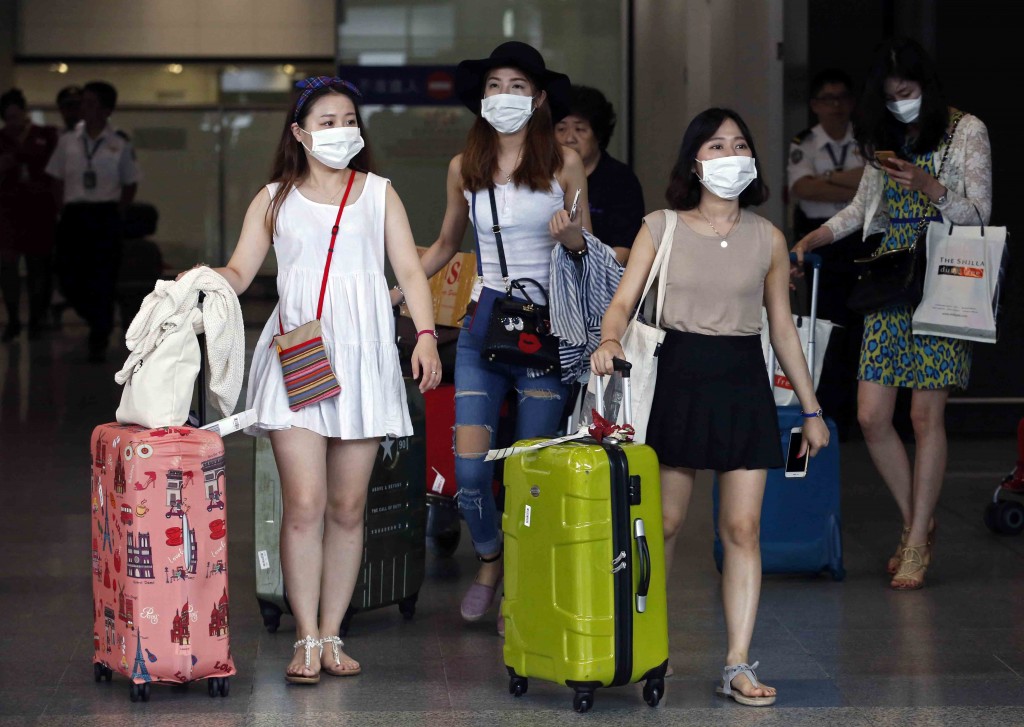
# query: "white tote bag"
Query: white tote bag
{"points": [[160, 389], [961, 282], [640, 345], [783, 389]]}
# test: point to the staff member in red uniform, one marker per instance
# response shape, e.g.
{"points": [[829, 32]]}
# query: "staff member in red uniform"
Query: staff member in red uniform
{"points": [[27, 213]]}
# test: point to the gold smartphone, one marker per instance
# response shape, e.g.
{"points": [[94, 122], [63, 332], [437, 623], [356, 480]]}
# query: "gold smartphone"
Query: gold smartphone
{"points": [[885, 158]]}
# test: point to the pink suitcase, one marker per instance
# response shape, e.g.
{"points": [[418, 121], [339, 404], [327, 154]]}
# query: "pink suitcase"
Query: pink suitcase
{"points": [[160, 557]]}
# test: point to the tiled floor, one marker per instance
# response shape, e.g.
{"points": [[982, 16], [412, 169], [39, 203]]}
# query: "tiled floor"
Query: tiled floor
{"points": [[850, 653]]}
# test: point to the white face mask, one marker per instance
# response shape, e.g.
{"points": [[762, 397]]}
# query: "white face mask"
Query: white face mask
{"points": [[506, 112], [906, 110], [335, 147], [727, 177]]}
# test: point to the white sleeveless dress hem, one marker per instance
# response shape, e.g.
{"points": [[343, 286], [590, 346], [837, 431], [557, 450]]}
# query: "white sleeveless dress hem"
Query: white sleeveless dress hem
{"points": [[357, 321]]}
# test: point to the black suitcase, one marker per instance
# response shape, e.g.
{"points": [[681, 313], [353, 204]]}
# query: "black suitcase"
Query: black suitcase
{"points": [[394, 536]]}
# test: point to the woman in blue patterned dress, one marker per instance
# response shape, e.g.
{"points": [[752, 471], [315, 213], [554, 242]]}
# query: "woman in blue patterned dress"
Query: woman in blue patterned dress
{"points": [[904, 111]]}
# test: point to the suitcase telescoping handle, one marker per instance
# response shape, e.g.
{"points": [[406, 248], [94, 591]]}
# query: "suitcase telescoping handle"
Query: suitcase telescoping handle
{"points": [[814, 260], [623, 367], [645, 565]]}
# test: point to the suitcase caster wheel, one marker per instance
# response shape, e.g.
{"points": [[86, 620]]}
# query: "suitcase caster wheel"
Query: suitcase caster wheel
{"points": [[407, 607], [517, 686], [101, 672], [271, 616], [1005, 517], [583, 701], [653, 691], [218, 686], [138, 692]]}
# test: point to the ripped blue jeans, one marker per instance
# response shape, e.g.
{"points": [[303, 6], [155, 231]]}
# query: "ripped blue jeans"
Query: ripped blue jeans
{"points": [[480, 389]]}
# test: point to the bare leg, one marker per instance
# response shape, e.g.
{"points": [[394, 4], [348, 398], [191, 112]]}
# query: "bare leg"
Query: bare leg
{"points": [[875, 407], [302, 461], [739, 525], [349, 465], [928, 414], [676, 488]]}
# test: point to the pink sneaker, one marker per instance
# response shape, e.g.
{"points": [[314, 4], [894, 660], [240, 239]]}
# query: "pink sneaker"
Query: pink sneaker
{"points": [[477, 601]]}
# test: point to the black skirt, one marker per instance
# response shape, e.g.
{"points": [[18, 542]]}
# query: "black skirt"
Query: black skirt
{"points": [[713, 405]]}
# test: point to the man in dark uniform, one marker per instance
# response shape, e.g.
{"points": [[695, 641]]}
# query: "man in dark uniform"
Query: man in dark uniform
{"points": [[69, 104], [96, 178], [823, 173]]}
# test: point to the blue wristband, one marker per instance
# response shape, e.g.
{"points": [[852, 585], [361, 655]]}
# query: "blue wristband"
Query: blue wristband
{"points": [[813, 414]]}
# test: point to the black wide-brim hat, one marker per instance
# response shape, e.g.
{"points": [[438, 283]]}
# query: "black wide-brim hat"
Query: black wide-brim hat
{"points": [[470, 76]]}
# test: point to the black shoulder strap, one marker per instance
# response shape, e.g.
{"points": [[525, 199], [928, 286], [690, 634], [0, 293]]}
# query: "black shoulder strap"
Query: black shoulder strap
{"points": [[496, 229]]}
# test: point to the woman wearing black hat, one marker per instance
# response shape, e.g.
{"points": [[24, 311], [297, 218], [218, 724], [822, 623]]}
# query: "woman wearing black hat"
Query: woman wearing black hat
{"points": [[512, 149]]}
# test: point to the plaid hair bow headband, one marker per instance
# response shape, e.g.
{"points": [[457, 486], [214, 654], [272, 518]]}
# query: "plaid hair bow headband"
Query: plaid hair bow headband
{"points": [[314, 82]]}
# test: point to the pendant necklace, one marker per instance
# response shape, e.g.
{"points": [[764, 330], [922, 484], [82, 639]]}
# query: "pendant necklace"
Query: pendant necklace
{"points": [[724, 243]]}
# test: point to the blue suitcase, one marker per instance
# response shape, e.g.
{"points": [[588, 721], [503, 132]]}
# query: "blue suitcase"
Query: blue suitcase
{"points": [[801, 528]]}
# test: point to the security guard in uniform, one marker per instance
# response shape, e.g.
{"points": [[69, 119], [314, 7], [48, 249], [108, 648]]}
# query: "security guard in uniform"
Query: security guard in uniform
{"points": [[823, 172], [96, 179]]}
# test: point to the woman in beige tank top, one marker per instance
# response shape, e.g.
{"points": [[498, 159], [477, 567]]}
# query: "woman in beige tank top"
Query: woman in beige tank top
{"points": [[713, 404]]}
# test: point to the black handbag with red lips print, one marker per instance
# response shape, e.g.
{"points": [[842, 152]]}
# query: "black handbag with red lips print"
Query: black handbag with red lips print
{"points": [[519, 331]]}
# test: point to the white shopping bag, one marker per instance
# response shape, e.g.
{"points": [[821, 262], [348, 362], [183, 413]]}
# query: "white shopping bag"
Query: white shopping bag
{"points": [[961, 283], [784, 394]]}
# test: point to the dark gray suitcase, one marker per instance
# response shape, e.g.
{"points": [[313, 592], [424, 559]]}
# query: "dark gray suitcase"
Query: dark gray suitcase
{"points": [[394, 537]]}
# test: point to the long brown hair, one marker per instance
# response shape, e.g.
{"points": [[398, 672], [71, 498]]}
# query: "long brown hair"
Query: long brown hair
{"points": [[542, 156], [290, 166]]}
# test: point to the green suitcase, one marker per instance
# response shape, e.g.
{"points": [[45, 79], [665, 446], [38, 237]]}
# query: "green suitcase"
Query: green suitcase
{"points": [[585, 601]]}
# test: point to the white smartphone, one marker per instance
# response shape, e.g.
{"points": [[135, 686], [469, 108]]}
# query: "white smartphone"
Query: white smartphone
{"points": [[796, 466]]}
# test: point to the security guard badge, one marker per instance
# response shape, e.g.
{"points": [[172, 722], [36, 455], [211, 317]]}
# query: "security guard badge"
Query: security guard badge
{"points": [[795, 156], [89, 179]]}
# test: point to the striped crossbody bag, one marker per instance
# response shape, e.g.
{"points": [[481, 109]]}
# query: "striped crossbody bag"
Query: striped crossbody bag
{"points": [[308, 377]]}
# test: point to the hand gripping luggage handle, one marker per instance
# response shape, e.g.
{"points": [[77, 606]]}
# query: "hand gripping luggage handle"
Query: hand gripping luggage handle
{"points": [[645, 565], [623, 367]]}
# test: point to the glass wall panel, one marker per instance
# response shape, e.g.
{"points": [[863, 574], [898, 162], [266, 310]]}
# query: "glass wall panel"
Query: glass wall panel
{"points": [[413, 144]]}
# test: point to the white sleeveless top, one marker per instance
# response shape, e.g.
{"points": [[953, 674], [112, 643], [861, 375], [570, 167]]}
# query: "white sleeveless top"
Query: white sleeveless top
{"points": [[524, 216], [357, 320]]}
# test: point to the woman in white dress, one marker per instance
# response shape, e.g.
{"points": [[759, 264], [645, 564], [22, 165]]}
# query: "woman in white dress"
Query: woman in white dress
{"points": [[325, 450]]}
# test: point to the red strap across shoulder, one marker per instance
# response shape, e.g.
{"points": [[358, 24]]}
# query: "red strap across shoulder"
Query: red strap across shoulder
{"points": [[330, 251]]}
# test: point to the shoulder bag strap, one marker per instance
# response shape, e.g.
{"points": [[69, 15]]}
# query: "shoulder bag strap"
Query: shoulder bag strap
{"points": [[922, 226], [671, 217], [330, 252], [496, 229], [659, 261]]}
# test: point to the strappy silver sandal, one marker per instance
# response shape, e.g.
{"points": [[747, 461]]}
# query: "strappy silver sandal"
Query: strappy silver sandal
{"points": [[731, 672], [308, 643], [335, 642]]}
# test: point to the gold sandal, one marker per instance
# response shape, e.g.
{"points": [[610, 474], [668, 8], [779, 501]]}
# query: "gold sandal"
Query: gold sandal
{"points": [[894, 562], [914, 563]]}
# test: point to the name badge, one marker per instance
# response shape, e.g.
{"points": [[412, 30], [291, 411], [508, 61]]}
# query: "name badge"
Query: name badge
{"points": [[89, 179]]}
